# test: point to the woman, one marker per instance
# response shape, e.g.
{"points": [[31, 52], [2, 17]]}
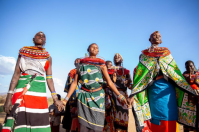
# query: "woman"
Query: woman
{"points": [[122, 79], [157, 84], [191, 76], [30, 110], [70, 120], [91, 102]]}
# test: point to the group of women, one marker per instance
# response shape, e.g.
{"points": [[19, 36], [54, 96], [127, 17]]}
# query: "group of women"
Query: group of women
{"points": [[160, 94]]}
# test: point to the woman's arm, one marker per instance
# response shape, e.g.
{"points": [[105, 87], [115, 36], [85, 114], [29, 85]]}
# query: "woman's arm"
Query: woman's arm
{"points": [[50, 83], [13, 84], [110, 83], [71, 89]]}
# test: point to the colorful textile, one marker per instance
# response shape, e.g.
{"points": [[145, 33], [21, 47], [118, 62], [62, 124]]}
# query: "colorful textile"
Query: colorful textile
{"points": [[166, 126], [72, 103], [117, 118], [92, 61], [192, 84], [157, 52], [70, 79], [34, 52], [91, 106], [162, 96], [147, 70], [34, 60], [30, 110]]}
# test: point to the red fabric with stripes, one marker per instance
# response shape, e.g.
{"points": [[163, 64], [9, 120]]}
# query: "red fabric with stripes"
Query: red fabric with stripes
{"points": [[31, 101], [72, 73], [34, 102], [15, 97]]}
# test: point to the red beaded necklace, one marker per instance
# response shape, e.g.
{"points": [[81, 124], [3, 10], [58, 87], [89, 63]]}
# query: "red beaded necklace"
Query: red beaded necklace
{"points": [[157, 52], [34, 52]]}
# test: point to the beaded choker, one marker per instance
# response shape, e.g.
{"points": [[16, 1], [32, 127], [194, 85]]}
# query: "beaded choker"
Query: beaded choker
{"points": [[34, 52], [157, 52], [120, 71], [92, 61]]}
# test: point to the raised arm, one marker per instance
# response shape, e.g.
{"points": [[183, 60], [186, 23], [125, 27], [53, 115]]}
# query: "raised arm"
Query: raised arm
{"points": [[71, 89], [50, 84], [13, 84], [111, 84]]}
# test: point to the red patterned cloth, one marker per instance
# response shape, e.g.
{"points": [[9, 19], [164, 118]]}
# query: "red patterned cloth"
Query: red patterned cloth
{"points": [[72, 73], [119, 71], [191, 83]]}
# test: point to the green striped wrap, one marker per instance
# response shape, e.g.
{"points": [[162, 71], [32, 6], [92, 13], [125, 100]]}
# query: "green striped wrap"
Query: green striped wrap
{"points": [[91, 106]]}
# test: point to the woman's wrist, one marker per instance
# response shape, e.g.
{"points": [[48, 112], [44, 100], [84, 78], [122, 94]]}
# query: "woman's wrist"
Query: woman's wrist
{"points": [[120, 97], [54, 95]]}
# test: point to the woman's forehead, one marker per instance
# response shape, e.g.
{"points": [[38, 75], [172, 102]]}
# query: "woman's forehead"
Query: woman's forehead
{"points": [[94, 45], [39, 34]]}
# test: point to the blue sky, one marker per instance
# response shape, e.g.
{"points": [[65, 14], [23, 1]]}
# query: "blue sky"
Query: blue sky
{"points": [[116, 26]]}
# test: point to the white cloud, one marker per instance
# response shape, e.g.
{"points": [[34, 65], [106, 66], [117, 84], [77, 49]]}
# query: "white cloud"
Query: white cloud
{"points": [[7, 65], [58, 82], [2, 76], [59, 87], [0, 84]]}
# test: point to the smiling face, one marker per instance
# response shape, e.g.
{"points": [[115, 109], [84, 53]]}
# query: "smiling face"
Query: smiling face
{"points": [[39, 39], [93, 50], [109, 64], [155, 38], [190, 67]]}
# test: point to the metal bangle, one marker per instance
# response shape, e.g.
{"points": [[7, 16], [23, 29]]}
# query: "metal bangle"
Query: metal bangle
{"points": [[11, 92], [66, 98]]}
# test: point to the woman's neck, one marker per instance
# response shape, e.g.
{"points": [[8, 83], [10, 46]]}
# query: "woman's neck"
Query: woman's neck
{"points": [[92, 56], [38, 45], [154, 45]]}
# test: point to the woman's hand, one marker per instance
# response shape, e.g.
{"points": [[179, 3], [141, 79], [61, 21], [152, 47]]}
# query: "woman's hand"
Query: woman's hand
{"points": [[124, 101], [130, 101], [64, 102], [60, 105], [8, 104]]}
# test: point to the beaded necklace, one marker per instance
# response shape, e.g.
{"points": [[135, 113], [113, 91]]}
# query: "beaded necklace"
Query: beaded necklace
{"points": [[34, 52], [157, 52], [93, 61]]}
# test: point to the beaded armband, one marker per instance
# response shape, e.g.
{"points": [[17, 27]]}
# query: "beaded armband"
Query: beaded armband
{"points": [[49, 77], [120, 97], [54, 95]]}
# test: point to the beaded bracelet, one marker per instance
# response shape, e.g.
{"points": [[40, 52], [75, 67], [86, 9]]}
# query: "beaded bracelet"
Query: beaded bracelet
{"points": [[11, 92], [54, 96], [120, 97], [49, 77]]}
